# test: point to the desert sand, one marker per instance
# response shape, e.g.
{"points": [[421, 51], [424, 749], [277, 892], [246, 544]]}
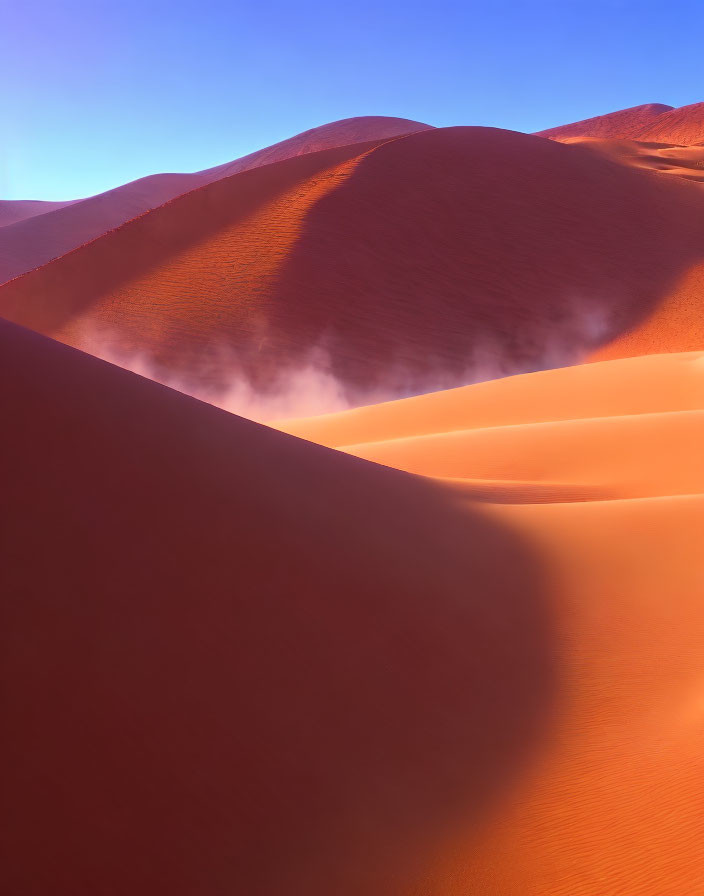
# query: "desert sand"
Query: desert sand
{"points": [[600, 467], [43, 231], [535, 254], [438, 645], [651, 123]]}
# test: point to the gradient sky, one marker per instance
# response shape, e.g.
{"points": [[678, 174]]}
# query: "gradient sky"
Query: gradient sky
{"points": [[95, 94]]}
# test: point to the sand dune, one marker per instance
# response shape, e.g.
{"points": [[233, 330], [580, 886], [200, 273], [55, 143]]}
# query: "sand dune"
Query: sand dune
{"points": [[683, 126], [13, 210], [681, 161], [243, 662], [39, 234], [218, 642], [635, 386], [444, 257], [611, 802], [453, 648], [622, 125], [652, 123]]}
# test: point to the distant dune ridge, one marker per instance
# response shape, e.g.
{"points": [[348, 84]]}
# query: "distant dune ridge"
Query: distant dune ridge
{"points": [[622, 125], [445, 644], [35, 240], [391, 267], [652, 122]]}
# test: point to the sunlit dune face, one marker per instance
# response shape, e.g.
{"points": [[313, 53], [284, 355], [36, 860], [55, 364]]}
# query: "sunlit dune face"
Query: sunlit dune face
{"points": [[611, 800]]}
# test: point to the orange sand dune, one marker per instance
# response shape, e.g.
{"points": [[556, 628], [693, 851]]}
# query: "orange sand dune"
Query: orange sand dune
{"points": [[439, 258], [33, 240], [652, 385], [612, 805], [612, 802], [240, 662], [621, 125], [601, 452]]}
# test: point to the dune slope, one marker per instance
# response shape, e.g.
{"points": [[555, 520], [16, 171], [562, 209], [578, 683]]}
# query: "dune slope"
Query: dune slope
{"points": [[13, 210], [624, 124], [40, 234], [234, 661], [684, 126], [440, 258], [611, 803]]}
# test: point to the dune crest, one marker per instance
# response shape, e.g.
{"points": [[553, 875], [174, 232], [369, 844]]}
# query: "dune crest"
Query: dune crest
{"points": [[35, 236], [437, 259]]}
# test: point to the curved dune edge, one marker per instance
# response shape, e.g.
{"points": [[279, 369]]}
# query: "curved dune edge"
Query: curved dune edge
{"points": [[219, 641], [543, 252], [651, 384], [611, 804], [616, 429], [653, 123], [270, 667], [58, 228]]}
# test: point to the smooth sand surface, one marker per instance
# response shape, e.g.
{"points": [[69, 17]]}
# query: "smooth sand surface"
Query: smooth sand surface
{"points": [[236, 662], [681, 161], [432, 260], [456, 647], [612, 802], [634, 386], [13, 210], [43, 231]]}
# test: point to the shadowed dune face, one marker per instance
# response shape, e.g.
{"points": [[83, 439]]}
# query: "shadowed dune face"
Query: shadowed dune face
{"points": [[57, 228], [238, 662], [479, 252], [444, 257]]}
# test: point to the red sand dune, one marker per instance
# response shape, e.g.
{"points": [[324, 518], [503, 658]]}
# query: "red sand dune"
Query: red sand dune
{"points": [[236, 661], [684, 126], [653, 123], [675, 324], [622, 125], [50, 232], [439, 258]]}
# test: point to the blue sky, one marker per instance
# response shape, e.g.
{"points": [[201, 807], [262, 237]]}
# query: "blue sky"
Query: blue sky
{"points": [[97, 93]]}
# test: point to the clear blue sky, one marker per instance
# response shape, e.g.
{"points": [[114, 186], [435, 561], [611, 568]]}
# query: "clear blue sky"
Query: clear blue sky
{"points": [[95, 93]]}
